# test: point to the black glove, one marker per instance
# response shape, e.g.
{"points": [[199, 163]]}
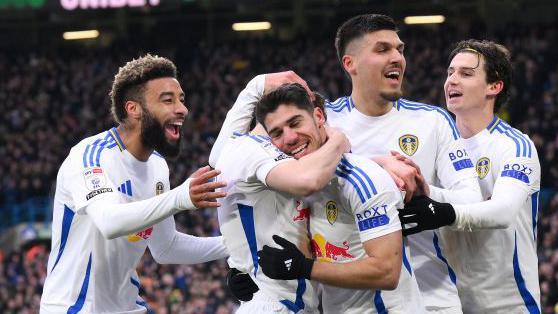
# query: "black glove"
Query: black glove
{"points": [[426, 213], [287, 263], [241, 285]]}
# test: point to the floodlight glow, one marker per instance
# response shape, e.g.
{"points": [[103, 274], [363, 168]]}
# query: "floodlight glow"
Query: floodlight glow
{"points": [[251, 26], [425, 19], [89, 34]]}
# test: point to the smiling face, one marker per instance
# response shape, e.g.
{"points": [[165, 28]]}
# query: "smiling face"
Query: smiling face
{"points": [[163, 115], [466, 87], [295, 131], [375, 61]]}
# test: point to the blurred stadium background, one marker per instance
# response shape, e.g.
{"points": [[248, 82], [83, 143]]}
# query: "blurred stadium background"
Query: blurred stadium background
{"points": [[54, 91]]}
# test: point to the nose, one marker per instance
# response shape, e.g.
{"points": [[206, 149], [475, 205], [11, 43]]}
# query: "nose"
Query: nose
{"points": [[451, 79], [181, 109], [290, 136], [397, 56]]}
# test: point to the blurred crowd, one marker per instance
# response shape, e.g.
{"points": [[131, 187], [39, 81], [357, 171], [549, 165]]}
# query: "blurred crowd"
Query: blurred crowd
{"points": [[51, 100]]}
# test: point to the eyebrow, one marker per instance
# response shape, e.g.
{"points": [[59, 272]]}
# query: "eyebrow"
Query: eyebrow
{"points": [[286, 122], [163, 94]]}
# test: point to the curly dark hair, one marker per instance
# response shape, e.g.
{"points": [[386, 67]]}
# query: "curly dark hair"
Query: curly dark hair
{"points": [[129, 82], [497, 64]]}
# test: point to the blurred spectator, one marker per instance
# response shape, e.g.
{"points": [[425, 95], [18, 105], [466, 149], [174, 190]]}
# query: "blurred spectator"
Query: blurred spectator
{"points": [[50, 101]]}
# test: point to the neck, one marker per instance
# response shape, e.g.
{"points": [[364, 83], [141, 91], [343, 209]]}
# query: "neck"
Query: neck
{"points": [[369, 104], [471, 122], [131, 137]]}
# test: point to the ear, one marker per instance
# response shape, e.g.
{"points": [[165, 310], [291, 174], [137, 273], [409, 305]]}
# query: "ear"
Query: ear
{"points": [[133, 109], [348, 62], [319, 117], [495, 88]]}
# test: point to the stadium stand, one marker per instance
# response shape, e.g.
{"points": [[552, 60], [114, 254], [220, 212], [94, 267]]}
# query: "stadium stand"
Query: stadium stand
{"points": [[51, 100]]}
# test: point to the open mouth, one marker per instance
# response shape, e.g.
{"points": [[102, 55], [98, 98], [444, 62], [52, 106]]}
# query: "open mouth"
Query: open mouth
{"points": [[452, 95], [393, 75], [172, 130], [299, 150]]}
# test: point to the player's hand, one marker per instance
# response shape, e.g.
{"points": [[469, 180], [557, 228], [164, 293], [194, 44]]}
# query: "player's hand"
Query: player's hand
{"points": [[286, 263], [337, 136], [403, 173], [202, 188], [274, 80], [423, 213], [241, 285]]}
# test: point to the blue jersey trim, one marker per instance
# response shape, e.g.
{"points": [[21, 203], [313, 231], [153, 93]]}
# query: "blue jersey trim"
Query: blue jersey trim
{"points": [[492, 125], [298, 305], [83, 292], [117, 138], [379, 303], [247, 218], [451, 273], [525, 145], [351, 173], [534, 212], [341, 104], [66, 224], [528, 299], [92, 154], [135, 282], [411, 105]]}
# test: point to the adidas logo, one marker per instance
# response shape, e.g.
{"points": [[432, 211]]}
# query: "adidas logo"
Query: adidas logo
{"points": [[288, 264], [432, 208], [126, 188]]}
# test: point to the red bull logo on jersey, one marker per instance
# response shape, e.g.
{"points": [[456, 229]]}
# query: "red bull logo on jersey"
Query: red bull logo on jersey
{"points": [[409, 144], [326, 251], [303, 212], [142, 235], [483, 167]]}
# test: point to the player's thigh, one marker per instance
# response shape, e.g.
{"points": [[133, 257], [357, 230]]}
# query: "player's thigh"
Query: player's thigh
{"points": [[261, 307]]}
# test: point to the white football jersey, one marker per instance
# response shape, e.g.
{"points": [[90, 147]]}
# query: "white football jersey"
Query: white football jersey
{"points": [[498, 268], [427, 135], [252, 213], [358, 205], [86, 272]]}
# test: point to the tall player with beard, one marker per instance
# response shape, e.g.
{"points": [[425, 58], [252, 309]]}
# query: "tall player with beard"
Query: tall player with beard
{"points": [[113, 199], [376, 120]]}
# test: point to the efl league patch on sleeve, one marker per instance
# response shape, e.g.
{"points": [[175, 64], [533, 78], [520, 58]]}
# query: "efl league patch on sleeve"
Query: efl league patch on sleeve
{"points": [[94, 178], [372, 218]]}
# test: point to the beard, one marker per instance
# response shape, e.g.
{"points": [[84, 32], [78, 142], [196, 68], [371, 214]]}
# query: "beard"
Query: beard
{"points": [[391, 96], [153, 136]]}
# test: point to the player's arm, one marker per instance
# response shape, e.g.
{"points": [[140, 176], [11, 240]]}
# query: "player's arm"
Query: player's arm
{"points": [[168, 246], [240, 115], [379, 270], [312, 172], [114, 219], [518, 178], [380, 231], [454, 169]]}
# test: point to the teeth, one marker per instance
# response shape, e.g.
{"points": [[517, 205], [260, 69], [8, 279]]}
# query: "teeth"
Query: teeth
{"points": [[393, 74], [299, 149]]}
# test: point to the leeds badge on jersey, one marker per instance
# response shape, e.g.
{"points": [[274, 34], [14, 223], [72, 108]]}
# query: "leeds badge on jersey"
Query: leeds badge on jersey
{"points": [[331, 212], [483, 167], [408, 144], [159, 188]]}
